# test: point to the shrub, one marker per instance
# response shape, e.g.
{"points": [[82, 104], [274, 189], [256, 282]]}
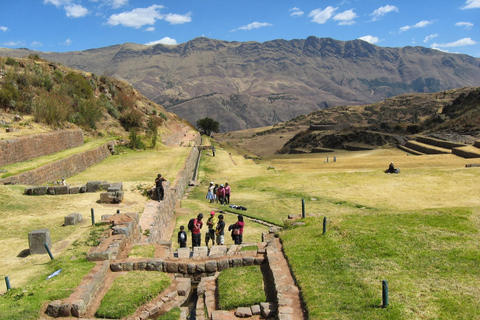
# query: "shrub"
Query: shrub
{"points": [[163, 116], [88, 114], [76, 86], [131, 120], [135, 140], [9, 95], [11, 62]]}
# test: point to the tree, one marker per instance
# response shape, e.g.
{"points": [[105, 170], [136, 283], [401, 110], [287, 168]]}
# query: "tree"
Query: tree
{"points": [[207, 125]]}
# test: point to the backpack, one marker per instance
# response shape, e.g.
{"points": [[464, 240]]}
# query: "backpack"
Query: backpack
{"points": [[191, 224]]}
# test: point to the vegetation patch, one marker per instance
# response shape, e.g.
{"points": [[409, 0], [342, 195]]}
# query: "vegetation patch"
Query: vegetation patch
{"points": [[125, 295], [240, 287], [147, 251]]}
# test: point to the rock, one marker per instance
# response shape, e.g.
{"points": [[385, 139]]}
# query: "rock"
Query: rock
{"points": [[93, 186], [72, 219], [243, 312]]}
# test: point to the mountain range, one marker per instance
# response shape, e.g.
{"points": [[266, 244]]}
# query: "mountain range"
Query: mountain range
{"points": [[251, 84]]}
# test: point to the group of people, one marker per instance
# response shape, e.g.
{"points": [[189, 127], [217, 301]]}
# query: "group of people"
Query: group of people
{"points": [[219, 194], [215, 230]]}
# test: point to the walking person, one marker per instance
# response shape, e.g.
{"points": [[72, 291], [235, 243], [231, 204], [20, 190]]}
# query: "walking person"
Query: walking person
{"points": [[210, 194], [220, 231], [159, 187], [221, 194], [211, 223], [238, 230], [227, 193], [197, 224], [182, 237]]}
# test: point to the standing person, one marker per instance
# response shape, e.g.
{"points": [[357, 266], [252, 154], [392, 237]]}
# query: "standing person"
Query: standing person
{"points": [[220, 231], [213, 150], [334, 158], [211, 222], [238, 230], [159, 187], [227, 193], [210, 194], [215, 192], [196, 235], [221, 194], [182, 237]]}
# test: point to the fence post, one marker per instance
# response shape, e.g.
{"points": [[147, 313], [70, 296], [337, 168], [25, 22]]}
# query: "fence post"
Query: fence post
{"points": [[93, 216], [303, 208], [324, 225], [48, 251], [7, 282], [384, 294]]}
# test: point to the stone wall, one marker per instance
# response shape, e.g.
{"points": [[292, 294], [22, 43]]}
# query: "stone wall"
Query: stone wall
{"points": [[63, 168], [173, 193], [38, 145]]}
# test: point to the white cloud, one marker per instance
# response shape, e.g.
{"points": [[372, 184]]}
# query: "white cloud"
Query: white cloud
{"points": [[321, 16], [380, 12], [420, 24], [370, 39], [255, 25], [466, 25], [458, 43], [150, 29], [296, 12], [4, 29], [67, 42], [115, 4], [14, 44], [174, 18], [137, 17], [471, 4], [75, 11], [36, 44], [57, 3], [345, 17], [430, 37], [166, 40]]}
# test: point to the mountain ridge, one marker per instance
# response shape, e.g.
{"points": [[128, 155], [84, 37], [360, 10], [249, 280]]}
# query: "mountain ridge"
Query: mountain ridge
{"points": [[252, 84]]}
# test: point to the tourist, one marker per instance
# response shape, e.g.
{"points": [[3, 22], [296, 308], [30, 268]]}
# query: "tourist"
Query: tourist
{"points": [[63, 182], [196, 235], [210, 193], [334, 158], [221, 194], [220, 231], [159, 187], [211, 222], [238, 230], [391, 168], [227, 193], [213, 150], [182, 237], [215, 194]]}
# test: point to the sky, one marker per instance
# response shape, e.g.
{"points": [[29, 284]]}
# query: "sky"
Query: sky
{"points": [[75, 25]]}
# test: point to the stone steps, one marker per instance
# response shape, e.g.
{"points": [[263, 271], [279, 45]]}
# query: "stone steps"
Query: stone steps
{"points": [[426, 148], [467, 152]]}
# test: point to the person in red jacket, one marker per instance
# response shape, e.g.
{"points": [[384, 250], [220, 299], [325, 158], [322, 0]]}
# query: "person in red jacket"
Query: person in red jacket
{"points": [[237, 230], [196, 235]]}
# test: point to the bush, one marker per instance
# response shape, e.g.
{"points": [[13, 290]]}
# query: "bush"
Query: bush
{"points": [[131, 120], [76, 86], [136, 140], [88, 114], [11, 62], [9, 96]]}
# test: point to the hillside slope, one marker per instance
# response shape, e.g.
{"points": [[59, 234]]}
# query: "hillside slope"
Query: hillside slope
{"points": [[38, 96], [251, 84]]}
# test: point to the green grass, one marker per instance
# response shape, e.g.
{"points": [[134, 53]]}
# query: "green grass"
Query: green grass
{"points": [[145, 251], [173, 314], [25, 302], [428, 258], [249, 248], [240, 287], [124, 297]]}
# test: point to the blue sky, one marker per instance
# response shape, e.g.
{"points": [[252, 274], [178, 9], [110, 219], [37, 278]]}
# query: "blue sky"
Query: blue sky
{"points": [[73, 25]]}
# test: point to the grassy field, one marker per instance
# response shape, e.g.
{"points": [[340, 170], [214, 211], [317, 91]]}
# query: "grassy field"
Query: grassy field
{"points": [[21, 214], [419, 229]]}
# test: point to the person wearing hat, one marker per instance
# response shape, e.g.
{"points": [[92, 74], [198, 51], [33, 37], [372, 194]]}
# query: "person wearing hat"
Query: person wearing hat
{"points": [[211, 223], [159, 187], [210, 194], [196, 235]]}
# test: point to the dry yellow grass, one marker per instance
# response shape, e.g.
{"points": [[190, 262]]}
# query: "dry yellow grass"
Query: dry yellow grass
{"points": [[21, 214]]}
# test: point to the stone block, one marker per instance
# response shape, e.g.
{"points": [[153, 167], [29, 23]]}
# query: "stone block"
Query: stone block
{"points": [[200, 251], [40, 191], [183, 253], [268, 309], [248, 261], [99, 256], [141, 265], [255, 309], [93, 186], [61, 189], [237, 262], [74, 190], [119, 196], [79, 307], [243, 312], [29, 191], [37, 239], [114, 187], [191, 268], [83, 189], [171, 267], [54, 308], [223, 264], [116, 267], [51, 191], [183, 288], [64, 310], [104, 185], [182, 268], [72, 219], [220, 315], [121, 230], [211, 266], [217, 251], [259, 260]]}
